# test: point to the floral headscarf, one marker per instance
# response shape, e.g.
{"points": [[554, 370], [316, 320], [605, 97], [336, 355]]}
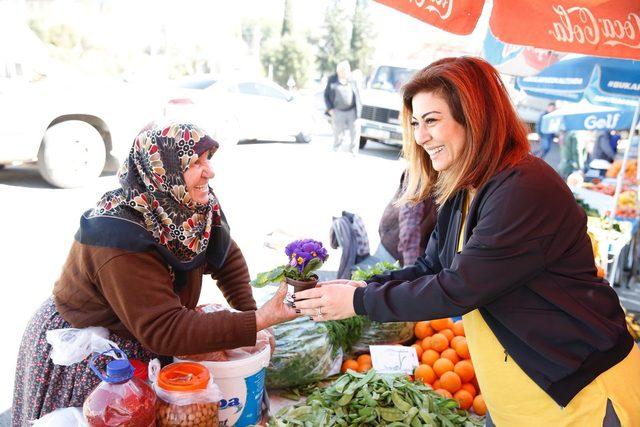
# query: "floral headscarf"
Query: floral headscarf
{"points": [[153, 193]]}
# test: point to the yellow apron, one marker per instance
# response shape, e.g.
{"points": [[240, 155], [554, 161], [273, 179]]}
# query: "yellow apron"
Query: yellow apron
{"points": [[514, 400]]}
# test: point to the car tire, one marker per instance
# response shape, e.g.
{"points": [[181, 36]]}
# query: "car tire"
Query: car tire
{"points": [[72, 154], [363, 142]]}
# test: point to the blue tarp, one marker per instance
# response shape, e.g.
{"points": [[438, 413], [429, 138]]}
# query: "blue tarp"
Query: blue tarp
{"points": [[602, 81], [585, 116]]}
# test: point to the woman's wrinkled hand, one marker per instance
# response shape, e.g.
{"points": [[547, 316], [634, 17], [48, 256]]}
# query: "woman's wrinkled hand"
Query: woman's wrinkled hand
{"points": [[333, 300], [275, 311]]}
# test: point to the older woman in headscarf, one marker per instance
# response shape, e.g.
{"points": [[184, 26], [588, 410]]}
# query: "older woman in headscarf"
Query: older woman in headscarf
{"points": [[136, 268]]}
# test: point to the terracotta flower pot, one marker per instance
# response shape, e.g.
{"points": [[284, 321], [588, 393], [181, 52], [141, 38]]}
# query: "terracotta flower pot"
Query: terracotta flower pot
{"points": [[297, 286], [300, 285]]}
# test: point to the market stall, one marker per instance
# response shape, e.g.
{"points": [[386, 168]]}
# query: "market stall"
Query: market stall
{"points": [[333, 371]]}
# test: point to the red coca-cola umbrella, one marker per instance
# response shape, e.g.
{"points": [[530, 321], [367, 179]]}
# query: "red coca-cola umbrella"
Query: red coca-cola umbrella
{"points": [[609, 28]]}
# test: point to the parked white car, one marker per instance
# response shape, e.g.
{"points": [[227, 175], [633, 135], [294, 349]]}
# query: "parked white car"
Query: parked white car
{"points": [[70, 125], [235, 109]]}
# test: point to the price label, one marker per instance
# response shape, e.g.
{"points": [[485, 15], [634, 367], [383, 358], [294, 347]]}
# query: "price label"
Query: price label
{"points": [[393, 359]]}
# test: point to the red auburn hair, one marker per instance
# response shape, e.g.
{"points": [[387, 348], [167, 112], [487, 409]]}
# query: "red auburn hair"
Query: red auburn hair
{"points": [[478, 100]]}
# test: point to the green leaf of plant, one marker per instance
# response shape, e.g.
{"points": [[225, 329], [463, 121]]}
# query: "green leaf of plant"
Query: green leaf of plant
{"points": [[275, 275], [312, 265]]}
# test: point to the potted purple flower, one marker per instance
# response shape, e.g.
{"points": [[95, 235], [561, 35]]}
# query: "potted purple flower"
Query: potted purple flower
{"points": [[305, 257]]}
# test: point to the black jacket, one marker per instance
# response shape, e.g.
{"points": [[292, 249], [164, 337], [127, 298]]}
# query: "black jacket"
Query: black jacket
{"points": [[527, 265], [330, 95]]}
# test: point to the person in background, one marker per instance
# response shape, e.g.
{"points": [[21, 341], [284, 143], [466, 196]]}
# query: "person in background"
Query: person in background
{"points": [[570, 158], [404, 230], [136, 268], [614, 139], [546, 139], [510, 253], [602, 150], [342, 99]]}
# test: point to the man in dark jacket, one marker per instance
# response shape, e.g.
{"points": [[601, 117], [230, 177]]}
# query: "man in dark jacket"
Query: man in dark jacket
{"points": [[342, 100], [603, 148]]}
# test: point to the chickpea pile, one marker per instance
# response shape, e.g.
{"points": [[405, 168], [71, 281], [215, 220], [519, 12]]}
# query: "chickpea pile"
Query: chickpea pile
{"points": [[195, 414]]}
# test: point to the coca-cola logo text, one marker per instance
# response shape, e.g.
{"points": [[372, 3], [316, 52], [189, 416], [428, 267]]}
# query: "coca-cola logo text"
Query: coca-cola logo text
{"points": [[580, 25], [442, 8]]}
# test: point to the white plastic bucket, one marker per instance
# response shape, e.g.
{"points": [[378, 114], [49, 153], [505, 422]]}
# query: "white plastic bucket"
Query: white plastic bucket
{"points": [[242, 385]]}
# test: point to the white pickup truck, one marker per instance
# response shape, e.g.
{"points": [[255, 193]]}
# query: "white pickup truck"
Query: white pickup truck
{"points": [[380, 119]]}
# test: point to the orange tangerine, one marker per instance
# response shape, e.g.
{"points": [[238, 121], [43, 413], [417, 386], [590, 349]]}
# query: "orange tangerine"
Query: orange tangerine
{"points": [[440, 324], [349, 364], [439, 342], [451, 381], [425, 374], [470, 388], [429, 357], [465, 370], [442, 365], [451, 355], [426, 343], [364, 358], [463, 349], [464, 399], [364, 367], [479, 406], [422, 330], [458, 328], [448, 333], [455, 340]]}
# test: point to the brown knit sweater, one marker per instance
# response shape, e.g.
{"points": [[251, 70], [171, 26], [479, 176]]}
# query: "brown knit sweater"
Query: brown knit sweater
{"points": [[131, 294]]}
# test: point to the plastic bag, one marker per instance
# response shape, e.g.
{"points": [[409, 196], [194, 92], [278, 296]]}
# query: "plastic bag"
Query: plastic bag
{"points": [[376, 333], [303, 354], [72, 345], [262, 340], [63, 417]]}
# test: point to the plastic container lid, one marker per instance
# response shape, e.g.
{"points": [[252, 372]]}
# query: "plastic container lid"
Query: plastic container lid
{"points": [[184, 376], [118, 371]]}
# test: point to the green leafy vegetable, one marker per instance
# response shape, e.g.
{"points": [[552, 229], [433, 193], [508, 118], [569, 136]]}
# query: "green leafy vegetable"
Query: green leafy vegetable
{"points": [[372, 399], [377, 268]]}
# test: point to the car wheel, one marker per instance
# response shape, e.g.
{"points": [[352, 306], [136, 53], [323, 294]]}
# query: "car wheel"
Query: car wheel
{"points": [[71, 154], [303, 137], [363, 142]]}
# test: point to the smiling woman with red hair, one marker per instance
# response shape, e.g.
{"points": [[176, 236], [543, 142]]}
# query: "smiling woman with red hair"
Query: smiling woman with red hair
{"points": [[510, 254]]}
